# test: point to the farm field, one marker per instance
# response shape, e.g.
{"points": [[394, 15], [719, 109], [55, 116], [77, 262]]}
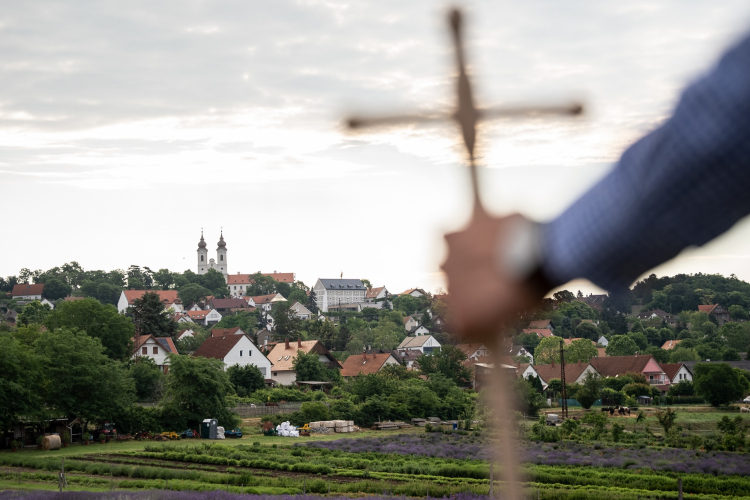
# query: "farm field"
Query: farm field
{"points": [[410, 462]]}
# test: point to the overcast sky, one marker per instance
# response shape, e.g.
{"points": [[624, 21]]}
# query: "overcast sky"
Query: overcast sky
{"points": [[125, 127]]}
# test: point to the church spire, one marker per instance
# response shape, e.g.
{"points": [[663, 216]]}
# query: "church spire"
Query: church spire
{"points": [[202, 242], [222, 243]]}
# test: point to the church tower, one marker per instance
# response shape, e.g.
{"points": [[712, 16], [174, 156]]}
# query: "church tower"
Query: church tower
{"points": [[221, 256], [202, 255]]}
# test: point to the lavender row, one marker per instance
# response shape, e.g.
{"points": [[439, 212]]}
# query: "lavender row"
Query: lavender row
{"points": [[455, 446], [181, 495]]}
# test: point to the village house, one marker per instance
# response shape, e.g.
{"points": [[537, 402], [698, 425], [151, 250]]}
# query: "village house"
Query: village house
{"points": [[183, 334], [264, 302], [239, 283], [410, 322], [234, 349], [541, 323], [376, 293], [224, 306], [677, 372], [521, 351], [407, 358], [575, 373], [425, 344], [717, 311], [419, 330], [595, 302], [414, 292], [155, 348], [205, 318], [603, 341], [301, 311], [539, 332], [366, 364], [474, 350], [168, 297], [658, 314], [25, 291], [223, 332], [338, 292], [614, 366], [283, 355]]}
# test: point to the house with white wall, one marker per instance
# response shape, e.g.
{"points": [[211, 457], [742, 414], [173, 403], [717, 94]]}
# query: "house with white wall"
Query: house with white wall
{"points": [[183, 334], [235, 350], [301, 311], [374, 294], [414, 292], [677, 372], [205, 318], [25, 291], [425, 344], [410, 322], [284, 353], [338, 292], [156, 348]]}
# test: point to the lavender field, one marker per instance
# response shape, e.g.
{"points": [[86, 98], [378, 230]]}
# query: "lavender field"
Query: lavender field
{"points": [[455, 446]]}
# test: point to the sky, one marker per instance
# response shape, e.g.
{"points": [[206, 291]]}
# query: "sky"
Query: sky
{"points": [[126, 127]]}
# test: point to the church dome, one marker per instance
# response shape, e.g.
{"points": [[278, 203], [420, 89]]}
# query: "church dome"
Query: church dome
{"points": [[222, 243], [202, 242]]}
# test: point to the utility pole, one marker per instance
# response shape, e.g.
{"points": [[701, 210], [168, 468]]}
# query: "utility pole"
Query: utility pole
{"points": [[564, 394]]}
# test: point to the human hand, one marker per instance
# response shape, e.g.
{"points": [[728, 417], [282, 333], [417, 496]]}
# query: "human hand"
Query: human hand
{"points": [[485, 283]]}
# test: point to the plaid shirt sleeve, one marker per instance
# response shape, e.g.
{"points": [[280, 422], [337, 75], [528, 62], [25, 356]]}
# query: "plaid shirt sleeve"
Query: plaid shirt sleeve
{"points": [[681, 185]]}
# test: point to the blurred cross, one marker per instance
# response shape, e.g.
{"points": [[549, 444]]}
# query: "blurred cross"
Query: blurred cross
{"points": [[467, 115]]}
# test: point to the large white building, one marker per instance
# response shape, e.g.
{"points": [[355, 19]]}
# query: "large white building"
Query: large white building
{"points": [[220, 263], [338, 292]]}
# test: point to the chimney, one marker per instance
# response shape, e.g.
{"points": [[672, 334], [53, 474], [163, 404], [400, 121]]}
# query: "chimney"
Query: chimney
{"points": [[364, 354], [286, 343], [552, 363], [299, 342]]}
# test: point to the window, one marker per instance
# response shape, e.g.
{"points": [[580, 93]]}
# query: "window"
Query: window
{"points": [[156, 350], [144, 350], [221, 257], [275, 374], [240, 353], [201, 258]]}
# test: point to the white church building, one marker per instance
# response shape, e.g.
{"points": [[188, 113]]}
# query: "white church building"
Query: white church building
{"points": [[220, 263]]}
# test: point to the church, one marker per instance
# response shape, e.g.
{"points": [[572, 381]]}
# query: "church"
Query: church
{"points": [[219, 264]]}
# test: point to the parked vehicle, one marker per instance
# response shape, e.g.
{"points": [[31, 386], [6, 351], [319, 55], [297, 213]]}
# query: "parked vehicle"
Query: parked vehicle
{"points": [[234, 433], [188, 433]]}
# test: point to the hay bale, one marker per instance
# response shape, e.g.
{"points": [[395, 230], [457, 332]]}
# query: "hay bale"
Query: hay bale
{"points": [[51, 443], [339, 424]]}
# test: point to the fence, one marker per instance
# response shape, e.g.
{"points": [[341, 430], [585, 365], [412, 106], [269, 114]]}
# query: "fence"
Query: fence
{"points": [[249, 411]]}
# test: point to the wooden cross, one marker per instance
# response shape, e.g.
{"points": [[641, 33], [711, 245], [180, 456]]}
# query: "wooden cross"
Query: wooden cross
{"points": [[467, 115]]}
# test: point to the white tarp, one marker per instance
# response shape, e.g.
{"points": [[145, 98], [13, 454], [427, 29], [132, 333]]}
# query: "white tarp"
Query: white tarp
{"points": [[287, 430], [220, 432]]}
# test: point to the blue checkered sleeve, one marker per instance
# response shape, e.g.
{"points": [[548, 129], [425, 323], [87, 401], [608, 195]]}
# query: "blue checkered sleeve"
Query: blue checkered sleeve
{"points": [[681, 185]]}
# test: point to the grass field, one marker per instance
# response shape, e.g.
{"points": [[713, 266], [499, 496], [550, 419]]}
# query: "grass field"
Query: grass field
{"points": [[408, 462]]}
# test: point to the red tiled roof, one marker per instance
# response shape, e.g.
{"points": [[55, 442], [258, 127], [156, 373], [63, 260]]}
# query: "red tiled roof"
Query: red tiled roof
{"points": [[217, 347], [197, 314], [540, 323], [372, 363], [550, 371], [540, 332], [671, 369], [26, 289], [283, 357], [373, 292], [166, 296], [470, 348], [620, 365], [670, 344], [264, 299], [229, 304], [245, 279], [223, 332]]}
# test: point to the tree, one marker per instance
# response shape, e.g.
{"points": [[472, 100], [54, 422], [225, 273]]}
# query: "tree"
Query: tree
{"points": [[580, 351], [621, 345], [736, 334], [246, 379], [719, 383], [34, 312], [197, 388], [312, 303], [261, 285], [448, 362], [529, 400], [79, 379], [586, 330], [164, 278], [684, 388], [576, 310], [214, 281], [666, 419], [738, 312], [407, 304], [564, 296], [589, 392], [192, 294], [308, 367], [55, 289], [97, 320], [367, 283], [640, 340], [246, 320], [548, 351], [148, 379], [20, 380], [680, 354], [298, 295], [150, 316], [286, 322]]}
